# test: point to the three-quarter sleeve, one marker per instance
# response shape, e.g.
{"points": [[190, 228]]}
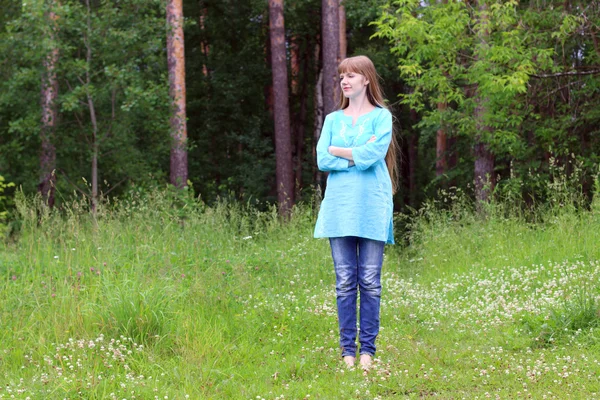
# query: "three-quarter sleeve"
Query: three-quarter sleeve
{"points": [[326, 161], [368, 154]]}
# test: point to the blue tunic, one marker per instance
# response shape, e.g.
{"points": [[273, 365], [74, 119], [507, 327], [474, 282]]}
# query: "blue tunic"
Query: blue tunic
{"points": [[358, 199]]}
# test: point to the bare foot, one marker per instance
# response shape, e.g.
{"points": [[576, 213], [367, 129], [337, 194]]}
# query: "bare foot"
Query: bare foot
{"points": [[365, 361], [349, 360]]}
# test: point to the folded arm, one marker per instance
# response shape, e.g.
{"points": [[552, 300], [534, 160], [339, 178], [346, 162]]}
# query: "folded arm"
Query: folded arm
{"points": [[375, 150], [346, 152], [326, 160]]}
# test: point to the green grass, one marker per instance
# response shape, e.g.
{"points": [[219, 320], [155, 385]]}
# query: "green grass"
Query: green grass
{"points": [[226, 302]]}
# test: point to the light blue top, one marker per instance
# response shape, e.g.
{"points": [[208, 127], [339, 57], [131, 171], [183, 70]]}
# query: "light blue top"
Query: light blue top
{"points": [[358, 199]]}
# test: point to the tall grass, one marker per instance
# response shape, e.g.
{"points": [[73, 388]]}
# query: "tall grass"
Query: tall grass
{"points": [[162, 295]]}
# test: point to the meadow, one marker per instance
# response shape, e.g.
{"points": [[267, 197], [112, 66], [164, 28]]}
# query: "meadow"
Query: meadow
{"points": [[164, 297]]}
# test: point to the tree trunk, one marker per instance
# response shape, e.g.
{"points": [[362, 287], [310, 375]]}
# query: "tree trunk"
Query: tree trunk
{"points": [[318, 175], [484, 171], [176, 64], [330, 33], [49, 94], [452, 157], [204, 48], [484, 159], [294, 63], [283, 145], [343, 40], [268, 90], [441, 150], [301, 123], [92, 109]]}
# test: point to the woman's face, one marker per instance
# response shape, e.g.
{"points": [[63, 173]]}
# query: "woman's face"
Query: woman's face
{"points": [[353, 84]]}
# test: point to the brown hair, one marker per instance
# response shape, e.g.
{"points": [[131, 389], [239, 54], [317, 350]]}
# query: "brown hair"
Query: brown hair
{"points": [[364, 66]]}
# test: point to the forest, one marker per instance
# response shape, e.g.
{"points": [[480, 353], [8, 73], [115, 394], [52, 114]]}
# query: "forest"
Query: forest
{"points": [[159, 191], [493, 97]]}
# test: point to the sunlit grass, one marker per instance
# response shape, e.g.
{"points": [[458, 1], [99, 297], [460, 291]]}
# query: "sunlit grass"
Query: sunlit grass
{"points": [[162, 296]]}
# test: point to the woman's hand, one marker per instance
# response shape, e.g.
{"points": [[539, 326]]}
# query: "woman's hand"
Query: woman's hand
{"points": [[345, 152]]}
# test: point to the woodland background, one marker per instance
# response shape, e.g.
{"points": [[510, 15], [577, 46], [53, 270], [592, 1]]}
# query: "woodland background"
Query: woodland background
{"points": [[492, 97], [114, 106]]}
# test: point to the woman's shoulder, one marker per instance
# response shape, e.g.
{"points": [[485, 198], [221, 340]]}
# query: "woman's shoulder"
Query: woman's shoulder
{"points": [[335, 114], [383, 112]]}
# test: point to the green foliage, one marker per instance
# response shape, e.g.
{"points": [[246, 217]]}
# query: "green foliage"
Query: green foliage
{"points": [[577, 315], [438, 55], [4, 203], [448, 51], [9, 9], [125, 79]]}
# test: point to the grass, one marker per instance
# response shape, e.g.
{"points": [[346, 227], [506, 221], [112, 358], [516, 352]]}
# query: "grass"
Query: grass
{"points": [[152, 301]]}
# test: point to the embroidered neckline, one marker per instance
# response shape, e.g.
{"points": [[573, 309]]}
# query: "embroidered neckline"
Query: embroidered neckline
{"points": [[360, 127]]}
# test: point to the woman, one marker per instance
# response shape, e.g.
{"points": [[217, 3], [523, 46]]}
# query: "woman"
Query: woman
{"points": [[358, 148]]}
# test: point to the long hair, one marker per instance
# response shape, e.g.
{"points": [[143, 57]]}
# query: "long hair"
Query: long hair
{"points": [[364, 66]]}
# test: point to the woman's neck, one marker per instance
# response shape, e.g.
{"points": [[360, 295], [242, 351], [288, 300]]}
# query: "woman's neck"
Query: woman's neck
{"points": [[358, 106]]}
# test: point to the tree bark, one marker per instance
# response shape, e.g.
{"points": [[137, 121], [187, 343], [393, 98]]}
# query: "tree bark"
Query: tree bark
{"points": [[92, 109], [283, 145], [204, 48], [318, 175], [452, 157], [176, 65], [49, 93], [294, 63], [330, 33], [301, 123], [268, 90], [343, 40]]}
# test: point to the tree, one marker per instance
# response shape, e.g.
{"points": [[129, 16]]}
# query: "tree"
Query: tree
{"points": [[330, 32], [176, 63], [283, 154], [49, 94], [95, 142], [441, 145], [204, 46], [343, 41]]}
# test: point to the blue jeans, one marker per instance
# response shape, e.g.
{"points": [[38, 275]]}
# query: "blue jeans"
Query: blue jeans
{"points": [[357, 263]]}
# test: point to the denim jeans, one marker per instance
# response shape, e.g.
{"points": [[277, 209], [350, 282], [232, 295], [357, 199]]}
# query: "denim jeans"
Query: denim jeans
{"points": [[357, 263]]}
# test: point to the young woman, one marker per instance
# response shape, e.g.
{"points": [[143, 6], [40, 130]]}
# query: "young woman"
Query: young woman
{"points": [[358, 148]]}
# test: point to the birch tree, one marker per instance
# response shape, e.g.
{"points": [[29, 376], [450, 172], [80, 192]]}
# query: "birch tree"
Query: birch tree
{"points": [[49, 94]]}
